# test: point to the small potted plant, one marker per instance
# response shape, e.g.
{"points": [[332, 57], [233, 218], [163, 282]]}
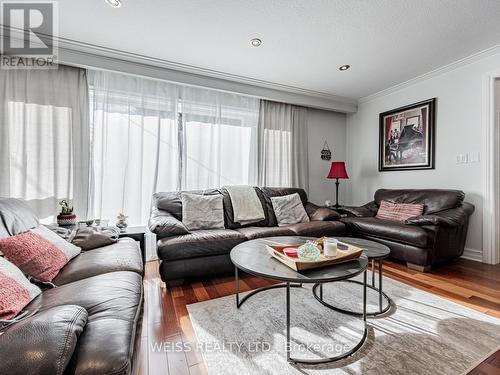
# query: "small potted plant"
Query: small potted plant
{"points": [[122, 221], [66, 217]]}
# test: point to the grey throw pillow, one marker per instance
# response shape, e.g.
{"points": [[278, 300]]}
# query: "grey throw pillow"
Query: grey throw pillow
{"points": [[91, 238], [289, 210], [202, 211]]}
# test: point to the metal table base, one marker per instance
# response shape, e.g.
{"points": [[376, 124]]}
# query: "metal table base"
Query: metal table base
{"points": [[381, 294], [288, 286]]}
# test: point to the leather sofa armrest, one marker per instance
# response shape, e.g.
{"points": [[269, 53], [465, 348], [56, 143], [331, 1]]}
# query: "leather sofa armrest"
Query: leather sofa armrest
{"points": [[324, 214], [447, 218], [431, 220], [43, 343], [317, 213], [89, 238], [368, 210], [164, 224]]}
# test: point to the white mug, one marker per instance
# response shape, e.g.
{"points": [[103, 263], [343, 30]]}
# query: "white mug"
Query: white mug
{"points": [[330, 247]]}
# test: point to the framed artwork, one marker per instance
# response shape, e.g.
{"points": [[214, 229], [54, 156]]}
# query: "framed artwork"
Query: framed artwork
{"points": [[406, 140]]}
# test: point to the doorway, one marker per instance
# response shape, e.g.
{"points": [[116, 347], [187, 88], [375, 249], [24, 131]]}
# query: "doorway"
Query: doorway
{"points": [[491, 168]]}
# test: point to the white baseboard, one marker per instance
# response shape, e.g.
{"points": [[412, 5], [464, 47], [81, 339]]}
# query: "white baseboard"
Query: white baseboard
{"points": [[473, 254]]}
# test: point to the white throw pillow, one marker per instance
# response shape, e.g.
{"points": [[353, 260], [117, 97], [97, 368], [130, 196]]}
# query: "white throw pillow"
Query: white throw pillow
{"points": [[289, 210], [69, 250], [202, 211]]}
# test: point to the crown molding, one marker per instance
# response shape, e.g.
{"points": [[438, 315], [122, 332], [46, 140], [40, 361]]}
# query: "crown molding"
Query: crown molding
{"points": [[76, 53], [433, 73]]}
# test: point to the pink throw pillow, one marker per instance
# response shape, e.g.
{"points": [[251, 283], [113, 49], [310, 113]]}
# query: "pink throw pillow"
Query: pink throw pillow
{"points": [[34, 255], [16, 291], [399, 211]]}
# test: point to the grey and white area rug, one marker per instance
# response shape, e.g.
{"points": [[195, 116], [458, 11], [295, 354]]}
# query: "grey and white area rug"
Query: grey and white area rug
{"points": [[420, 334]]}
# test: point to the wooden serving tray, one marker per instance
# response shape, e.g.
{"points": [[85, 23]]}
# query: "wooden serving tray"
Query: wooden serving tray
{"points": [[352, 252]]}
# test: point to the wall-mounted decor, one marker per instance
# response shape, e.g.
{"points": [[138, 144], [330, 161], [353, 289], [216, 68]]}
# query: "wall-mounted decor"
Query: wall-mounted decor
{"points": [[326, 154], [406, 139]]}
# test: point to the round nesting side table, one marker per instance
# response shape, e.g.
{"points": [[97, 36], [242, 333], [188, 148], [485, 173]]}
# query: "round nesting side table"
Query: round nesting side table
{"points": [[253, 258], [375, 252]]}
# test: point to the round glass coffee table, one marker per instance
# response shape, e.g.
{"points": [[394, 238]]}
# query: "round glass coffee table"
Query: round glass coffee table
{"points": [[375, 252], [253, 258]]}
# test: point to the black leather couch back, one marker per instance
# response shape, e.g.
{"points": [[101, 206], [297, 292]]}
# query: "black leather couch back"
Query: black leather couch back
{"points": [[434, 200], [172, 203]]}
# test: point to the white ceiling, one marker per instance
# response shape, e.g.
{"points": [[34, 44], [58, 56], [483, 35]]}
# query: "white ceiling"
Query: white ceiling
{"points": [[304, 41]]}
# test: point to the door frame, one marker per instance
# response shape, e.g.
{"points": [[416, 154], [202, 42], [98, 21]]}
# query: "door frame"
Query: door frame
{"points": [[491, 168]]}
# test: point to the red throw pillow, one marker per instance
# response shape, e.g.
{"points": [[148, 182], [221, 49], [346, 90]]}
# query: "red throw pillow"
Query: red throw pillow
{"points": [[399, 211], [16, 291], [34, 255]]}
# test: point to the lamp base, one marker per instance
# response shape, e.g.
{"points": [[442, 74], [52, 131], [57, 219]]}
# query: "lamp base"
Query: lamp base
{"points": [[337, 193]]}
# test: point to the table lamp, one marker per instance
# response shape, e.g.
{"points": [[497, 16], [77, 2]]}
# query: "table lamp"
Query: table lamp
{"points": [[337, 170]]}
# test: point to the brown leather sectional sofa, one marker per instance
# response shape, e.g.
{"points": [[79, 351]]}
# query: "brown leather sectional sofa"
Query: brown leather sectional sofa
{"points": [[423, 241], [87, 323], [430, 239], [206, 252]]}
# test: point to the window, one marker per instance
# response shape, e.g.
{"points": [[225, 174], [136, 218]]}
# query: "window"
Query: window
{"points": [[150, 136]]}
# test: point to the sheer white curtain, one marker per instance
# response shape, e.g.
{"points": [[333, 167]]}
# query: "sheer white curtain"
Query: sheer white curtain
{"points": [[220, 138], [283, 155], [134, 143], [44, 148]]}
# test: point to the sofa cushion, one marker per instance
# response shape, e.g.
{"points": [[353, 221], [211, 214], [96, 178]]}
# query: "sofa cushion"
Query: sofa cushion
{"points": [[202, 211], [390, 230], [113, 303], [199, 243], [43, 343], [16, 217], [270, 192], [434, 200], [399, 212], [289, 209], [68, 249], [319, 228], [16, 291], [34, 255], [123, 255], [252, 233]]}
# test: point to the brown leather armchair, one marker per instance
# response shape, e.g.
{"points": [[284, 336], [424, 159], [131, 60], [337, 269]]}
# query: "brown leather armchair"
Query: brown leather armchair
{"points": [[423, 241]]}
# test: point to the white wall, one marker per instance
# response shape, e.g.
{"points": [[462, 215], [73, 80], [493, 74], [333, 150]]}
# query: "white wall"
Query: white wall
{"points": [[458, 131], [331, 127]]}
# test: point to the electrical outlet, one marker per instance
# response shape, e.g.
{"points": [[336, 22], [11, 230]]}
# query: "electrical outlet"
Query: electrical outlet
{"points": [[475, 157], [461, 158], [468, 158]]}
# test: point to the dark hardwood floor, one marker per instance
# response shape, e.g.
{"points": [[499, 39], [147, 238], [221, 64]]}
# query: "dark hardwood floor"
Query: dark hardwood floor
{"points": [[166, 320]]}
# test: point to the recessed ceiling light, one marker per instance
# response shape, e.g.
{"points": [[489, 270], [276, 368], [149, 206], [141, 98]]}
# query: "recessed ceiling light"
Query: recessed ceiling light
{"points": [[256, 42], [114, 3], [344, 67]]}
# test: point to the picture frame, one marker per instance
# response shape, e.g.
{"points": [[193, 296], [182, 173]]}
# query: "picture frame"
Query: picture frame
{"points": [[407, 137]]}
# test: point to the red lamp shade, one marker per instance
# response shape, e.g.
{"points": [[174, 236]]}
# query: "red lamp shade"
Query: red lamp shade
{"points": [[337, 170]]}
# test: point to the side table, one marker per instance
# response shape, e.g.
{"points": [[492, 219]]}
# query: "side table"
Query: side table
{"points": [[138, 234]]}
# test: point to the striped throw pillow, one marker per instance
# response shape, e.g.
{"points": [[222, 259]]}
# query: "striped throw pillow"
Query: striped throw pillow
{"points": [[15, 291], [34, 255], [399, 211]]}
